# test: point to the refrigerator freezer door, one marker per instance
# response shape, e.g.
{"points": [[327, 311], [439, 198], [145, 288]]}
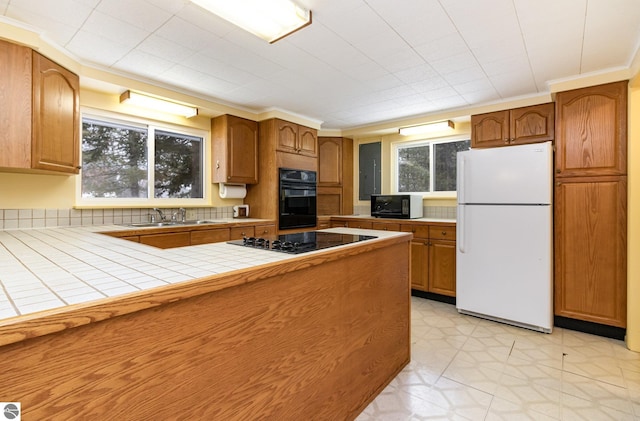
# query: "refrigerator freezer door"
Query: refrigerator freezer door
{"points": [[504, 264], [512, 174]]}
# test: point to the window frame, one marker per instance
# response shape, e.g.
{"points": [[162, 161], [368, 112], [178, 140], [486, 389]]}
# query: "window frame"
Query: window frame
{"points": [[396, 146], [151, 126]]}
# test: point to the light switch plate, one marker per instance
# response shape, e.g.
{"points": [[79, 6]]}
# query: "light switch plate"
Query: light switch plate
{"points": [[192, 214]]}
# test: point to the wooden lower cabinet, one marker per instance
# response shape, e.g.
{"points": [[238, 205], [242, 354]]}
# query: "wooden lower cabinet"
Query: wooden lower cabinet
{"points": [[433, 258], [166, 241], [590, 249], [185, 236], [433, 250]]}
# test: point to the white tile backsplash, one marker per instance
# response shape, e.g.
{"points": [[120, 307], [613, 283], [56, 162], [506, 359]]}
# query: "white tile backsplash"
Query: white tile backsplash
{"points": [[49, 218], [440, 212]]}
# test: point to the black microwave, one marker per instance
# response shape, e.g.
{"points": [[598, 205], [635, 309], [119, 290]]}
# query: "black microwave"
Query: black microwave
{"points": [[402, 206]]}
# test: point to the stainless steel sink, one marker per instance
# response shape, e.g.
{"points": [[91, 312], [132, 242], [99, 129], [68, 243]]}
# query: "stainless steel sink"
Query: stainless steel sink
{"points": [[172, 223], [151, 224], [198, 222]]}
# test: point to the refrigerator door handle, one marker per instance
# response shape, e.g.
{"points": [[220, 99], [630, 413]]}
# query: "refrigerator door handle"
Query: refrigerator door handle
{"points": [[460, 229], [461, 180]]}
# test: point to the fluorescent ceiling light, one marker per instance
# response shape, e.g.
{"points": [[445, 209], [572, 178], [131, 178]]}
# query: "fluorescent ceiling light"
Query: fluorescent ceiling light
{"points": [[270, 20], [158, 104], [427, 128]]}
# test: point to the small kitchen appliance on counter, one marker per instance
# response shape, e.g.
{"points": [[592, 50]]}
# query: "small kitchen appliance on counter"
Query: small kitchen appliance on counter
{"points": [[301, 242], [241, 211], [403, 206]]}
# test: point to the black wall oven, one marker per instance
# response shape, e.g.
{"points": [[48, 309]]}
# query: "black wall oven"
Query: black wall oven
{"points": [[297, 199]]}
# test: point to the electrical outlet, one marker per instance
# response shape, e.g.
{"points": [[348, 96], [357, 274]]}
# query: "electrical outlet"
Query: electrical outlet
{"points": [[192, 214]]}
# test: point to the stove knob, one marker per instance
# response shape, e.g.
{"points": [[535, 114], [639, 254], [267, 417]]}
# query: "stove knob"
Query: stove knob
{"points": [[276, 245]]}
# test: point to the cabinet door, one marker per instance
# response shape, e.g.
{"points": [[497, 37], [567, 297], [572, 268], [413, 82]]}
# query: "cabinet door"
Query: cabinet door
{"points": [[287, 136], [442, 267], [590, 250], [592, 131], [419, 265], [490, 129], [329, 200], [307, 141], [329, 161], [15, 105], [234, 149], [56, 121], [531, 124], [166, 241]]}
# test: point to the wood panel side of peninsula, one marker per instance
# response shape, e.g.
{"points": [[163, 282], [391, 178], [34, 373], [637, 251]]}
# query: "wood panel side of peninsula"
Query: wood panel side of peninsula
{"points": [[315, 343]]}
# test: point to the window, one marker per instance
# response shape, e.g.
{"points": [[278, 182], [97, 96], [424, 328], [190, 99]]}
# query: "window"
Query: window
{"points": [[128, 160], [427, 167]]}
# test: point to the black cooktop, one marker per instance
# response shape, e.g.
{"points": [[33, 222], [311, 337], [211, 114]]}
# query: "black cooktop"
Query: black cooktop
{"points": [[301, 242]]}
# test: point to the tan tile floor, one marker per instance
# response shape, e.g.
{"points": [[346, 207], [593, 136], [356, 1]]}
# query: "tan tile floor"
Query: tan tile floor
{"points": [[465, 368]]}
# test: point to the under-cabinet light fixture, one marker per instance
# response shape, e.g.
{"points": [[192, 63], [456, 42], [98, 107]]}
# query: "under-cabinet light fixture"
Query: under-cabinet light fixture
{"points": [[427, 128], [270, 20], [158, 104]]}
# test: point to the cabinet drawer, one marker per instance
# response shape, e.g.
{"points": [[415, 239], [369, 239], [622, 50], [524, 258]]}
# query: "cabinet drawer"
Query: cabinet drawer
{"points": [[166, 241], [238, 233], [419, 231], [359, 224], [442, 233], [385, 226], [209, 236], [265, 230]]}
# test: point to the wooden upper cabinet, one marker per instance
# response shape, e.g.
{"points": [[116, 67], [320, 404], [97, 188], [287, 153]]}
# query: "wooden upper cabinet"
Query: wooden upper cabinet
{"points": [[56, 117], [287, 138], [40, 109], [532, 124], [235, 150], [513, 127], [330, 161], [308, 141], [490, 129], [15, 105], [294, 138], [592, 131]]}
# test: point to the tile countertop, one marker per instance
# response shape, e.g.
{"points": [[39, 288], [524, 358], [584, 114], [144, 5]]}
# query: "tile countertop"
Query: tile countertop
{"points": [[49, 268]]}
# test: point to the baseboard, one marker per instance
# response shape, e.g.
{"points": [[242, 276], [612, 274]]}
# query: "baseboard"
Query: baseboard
{"points": [[434, 297], [590, 327]]}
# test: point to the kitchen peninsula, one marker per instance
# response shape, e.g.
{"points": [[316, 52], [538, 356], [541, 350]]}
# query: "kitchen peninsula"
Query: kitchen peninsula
{"points": [[224, 333]]}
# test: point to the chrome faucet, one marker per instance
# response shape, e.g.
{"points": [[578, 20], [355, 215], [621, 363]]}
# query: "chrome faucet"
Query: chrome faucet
{"points": [[161, 214], [183, 215]]}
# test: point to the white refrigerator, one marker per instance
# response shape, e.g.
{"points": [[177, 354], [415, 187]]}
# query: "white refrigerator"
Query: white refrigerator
{"points": [[504, 266]]}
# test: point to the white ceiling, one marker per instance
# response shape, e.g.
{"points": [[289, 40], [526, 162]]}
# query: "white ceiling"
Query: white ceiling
{"points": [[361, 61]]}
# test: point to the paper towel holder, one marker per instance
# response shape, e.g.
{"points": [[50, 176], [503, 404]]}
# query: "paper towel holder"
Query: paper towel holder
{"points": [[232, 191]]}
